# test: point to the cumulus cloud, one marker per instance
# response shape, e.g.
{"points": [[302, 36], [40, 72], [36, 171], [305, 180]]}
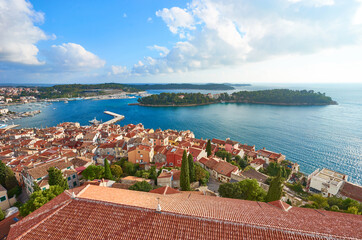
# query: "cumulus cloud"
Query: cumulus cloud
{"points": [[116, 70], [18, 32], [162, 50], [233, 32], [177, 19], [73, 57]]}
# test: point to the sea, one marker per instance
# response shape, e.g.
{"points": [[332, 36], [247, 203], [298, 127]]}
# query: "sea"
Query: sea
{"points": [[313, 136]]}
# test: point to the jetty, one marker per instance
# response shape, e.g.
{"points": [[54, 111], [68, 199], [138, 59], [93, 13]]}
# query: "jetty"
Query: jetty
{"points": [[117, 117]]}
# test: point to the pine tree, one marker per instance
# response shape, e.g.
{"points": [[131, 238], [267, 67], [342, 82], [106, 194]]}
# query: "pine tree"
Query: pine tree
{"points": [[36, 187], [107, 170], [191, 168], [185, 175], [208, 148], [56, 178], [276, 188]]}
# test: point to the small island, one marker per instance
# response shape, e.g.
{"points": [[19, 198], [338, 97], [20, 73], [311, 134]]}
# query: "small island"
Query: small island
{"points": [[285, 97]]}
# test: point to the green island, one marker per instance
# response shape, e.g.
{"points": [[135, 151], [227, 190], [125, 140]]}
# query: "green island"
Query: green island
{"points": [[273, 97], [91, 90], [184, 86]]}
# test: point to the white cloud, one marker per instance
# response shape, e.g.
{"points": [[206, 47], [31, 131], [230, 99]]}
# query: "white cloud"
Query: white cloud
{"points": [[357, 19], [149, 19], [314, 3], [18, 34], [73, 57], [234, 32], [177, 19], [124, 15], [163, 50], [119, 69]]}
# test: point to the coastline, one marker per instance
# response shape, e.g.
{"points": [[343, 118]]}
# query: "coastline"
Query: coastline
{"points": [[259, 103]]}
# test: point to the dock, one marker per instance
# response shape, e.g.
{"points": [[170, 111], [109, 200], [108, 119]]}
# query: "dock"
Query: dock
{"points": [[117, 117], [11, 126]]}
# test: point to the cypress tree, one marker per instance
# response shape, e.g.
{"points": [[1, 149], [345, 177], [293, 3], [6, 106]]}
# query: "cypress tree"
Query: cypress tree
{"points": [[185, 175], [191, 168], [56, 178], [276, 188], [208, 148], [107, 170]]}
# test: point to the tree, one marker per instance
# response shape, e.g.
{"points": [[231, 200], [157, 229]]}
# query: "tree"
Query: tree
{"points": [[319, 201], [141, 186], [129, 168], [116, 171], [56, 178], [185, 175], [93, 172], [242, 162], [7, 177], [191, 168], [275, 189], [2, 215], [247, 189], [36, 187], [201, 174], [107, 170], [353, 210], [39, 198], [208, 148]]}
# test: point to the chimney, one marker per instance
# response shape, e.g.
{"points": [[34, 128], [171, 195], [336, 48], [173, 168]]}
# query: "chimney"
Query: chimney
{"points": [[158, 209], [73, 195]]}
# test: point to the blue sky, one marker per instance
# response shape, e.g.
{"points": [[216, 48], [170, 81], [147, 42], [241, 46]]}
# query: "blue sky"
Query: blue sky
{"points": [[245, 41]]}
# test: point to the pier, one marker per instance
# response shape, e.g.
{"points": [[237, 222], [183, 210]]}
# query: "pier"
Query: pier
{"points": [[117, 117]]}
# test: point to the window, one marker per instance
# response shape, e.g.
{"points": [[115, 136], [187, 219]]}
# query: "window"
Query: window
{"points": [[68, 178], [3, 198], [38, 179], [74, 184], [136, 161], [44, 188], [141, 155], [73, 176]]}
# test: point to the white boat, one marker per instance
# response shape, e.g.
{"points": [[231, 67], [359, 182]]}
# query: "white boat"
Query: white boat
{"points": [[3, 126]]}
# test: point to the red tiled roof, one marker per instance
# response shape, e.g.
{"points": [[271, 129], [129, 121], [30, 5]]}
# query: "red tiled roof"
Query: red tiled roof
{"points": [[109, 213], [280, 204], [218, 141], [225, 168], [165, 190], [352, 191]]}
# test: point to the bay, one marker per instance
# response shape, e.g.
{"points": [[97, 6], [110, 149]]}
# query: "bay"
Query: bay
{"points": [[313, 136]]}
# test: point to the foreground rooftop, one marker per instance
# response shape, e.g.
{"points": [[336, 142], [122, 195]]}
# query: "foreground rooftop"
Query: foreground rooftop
{"points": [[95, 212]]}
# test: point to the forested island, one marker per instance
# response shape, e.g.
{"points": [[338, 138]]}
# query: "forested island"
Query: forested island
{"points": [[89, 90], [185, 86], [273, 97]]}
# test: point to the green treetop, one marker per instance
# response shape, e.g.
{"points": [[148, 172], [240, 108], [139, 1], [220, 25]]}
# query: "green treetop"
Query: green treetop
{"points": [[93, 172], [275, 189], [141, 186], [107, 170], [36, 187], [208, 148], [56, 178], [39, 198], [191, 168], [185, 175], [116, 171]]}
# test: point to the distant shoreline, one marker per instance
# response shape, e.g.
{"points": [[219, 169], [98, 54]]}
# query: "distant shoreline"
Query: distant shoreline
{"points": [[258, 103]]}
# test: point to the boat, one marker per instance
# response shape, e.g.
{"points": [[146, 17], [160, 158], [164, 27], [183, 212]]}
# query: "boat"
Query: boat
{"points": [[94, 121], [66, 101], [3, 126]]}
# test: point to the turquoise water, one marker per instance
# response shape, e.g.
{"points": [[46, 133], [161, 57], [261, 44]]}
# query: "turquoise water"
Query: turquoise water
{"points": [[313, 136]]}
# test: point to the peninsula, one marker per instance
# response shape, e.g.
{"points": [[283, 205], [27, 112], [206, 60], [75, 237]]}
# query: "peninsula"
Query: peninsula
{"points": [[272, 97]]}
